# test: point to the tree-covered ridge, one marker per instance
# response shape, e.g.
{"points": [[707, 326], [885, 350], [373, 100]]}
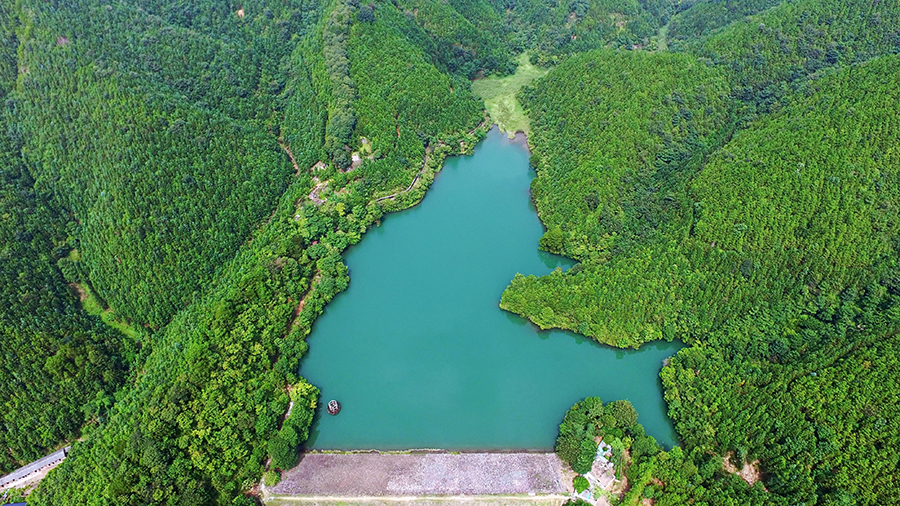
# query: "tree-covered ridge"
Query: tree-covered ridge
{"points": [[783, 276], [770, 54], [59, 366], [460, 36], [405, 104], [800, 381], [196, 425], [805, 201], [812, 417], [616, 137], [610, 187], [555, 30], [805, 219], [693, 19], [166, 174]]}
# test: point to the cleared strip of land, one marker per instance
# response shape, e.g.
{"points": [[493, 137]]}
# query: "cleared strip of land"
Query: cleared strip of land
{"points": [[426, 477]]}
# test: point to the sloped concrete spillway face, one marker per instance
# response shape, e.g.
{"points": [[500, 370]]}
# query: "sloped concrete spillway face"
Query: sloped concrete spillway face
{"points": [[418, 351]]}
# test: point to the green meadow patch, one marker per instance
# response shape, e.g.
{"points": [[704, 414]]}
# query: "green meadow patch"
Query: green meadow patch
{"points": [[499, 95]]}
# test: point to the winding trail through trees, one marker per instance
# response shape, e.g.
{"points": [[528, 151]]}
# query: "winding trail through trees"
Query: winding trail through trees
{"points": [[287, 150], [418, 175], [425, 164]]}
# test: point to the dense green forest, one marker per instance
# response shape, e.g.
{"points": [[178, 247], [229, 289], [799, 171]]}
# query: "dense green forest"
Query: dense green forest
{"points": [[60, 366], [169, 196], [725, 173], [767, 241]]}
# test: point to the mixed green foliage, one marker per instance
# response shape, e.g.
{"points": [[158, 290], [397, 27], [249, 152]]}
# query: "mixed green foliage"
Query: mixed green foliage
{"points": [[59, 366], [154, 138], [460, 36], [555, 30], [770, 55], [665, 244], [406, 104], [196, 169], [776, 259], [590, 421], [198, 190], [617, 137], [695, 19], [195, 425]]}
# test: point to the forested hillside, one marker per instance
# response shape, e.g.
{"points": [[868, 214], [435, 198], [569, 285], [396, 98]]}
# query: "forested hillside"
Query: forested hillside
{"points": [[555, 30], [800, 381], [155, 138], [695, 19], [772, 248], [59, 366], [769, 56], [669, 199], [611, 187], [196, 191]]}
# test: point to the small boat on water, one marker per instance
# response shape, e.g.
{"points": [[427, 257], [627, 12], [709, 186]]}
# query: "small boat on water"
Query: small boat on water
{"points": [[334, 407]]}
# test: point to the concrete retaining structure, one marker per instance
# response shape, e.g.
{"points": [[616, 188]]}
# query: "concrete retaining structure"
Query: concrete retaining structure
{"points": [[37, 465], [423, 478]]}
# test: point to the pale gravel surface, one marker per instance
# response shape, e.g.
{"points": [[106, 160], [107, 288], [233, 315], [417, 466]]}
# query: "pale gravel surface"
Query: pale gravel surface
{"points": [[419, 501], [428, 474]]}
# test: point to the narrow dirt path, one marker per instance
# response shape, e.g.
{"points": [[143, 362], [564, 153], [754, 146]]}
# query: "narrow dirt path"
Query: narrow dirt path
{"points": [[424, 164], [408, 188], [287, 150]]}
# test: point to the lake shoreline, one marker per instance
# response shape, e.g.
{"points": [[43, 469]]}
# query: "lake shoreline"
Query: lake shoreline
{"points": [[414, 376]]}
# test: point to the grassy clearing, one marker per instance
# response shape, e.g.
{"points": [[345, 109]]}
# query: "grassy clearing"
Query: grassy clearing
{"points": [[661, 39], [499, 95], [92, 305]]}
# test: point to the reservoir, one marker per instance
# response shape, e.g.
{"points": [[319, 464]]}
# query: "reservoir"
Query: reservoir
{"points": [[417, 350]]}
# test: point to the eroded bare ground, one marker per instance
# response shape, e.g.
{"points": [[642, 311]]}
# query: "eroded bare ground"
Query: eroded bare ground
{"points": [[333, 477], [749, 472]]}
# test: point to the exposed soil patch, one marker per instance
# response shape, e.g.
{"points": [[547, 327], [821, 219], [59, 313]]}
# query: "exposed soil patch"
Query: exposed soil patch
{"points": [[314, 194], [749, 473], [79, 291]]}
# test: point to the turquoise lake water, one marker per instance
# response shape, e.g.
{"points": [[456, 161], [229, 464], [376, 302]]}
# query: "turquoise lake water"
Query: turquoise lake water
{"points": [[420, 355]]}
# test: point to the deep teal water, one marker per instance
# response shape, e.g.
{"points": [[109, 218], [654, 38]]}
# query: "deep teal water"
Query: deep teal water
{"points": [[420, 355]]}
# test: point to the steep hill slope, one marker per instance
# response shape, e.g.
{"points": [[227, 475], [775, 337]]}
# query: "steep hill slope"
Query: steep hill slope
{"points": [[204, 417], [774, 252], [155, 138]]}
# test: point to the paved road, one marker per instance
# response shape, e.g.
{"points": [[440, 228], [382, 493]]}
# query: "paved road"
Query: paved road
{"points": [[31, 471]]}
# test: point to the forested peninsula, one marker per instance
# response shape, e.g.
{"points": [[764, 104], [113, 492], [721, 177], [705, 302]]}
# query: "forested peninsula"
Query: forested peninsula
{"points": [[179, 180]]}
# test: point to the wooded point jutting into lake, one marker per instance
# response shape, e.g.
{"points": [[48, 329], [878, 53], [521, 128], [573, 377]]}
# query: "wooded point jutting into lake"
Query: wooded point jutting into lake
{"points": [[187, 186]]}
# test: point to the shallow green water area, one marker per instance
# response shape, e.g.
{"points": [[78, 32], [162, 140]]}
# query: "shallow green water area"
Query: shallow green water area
{"points": [[417, 350]]}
